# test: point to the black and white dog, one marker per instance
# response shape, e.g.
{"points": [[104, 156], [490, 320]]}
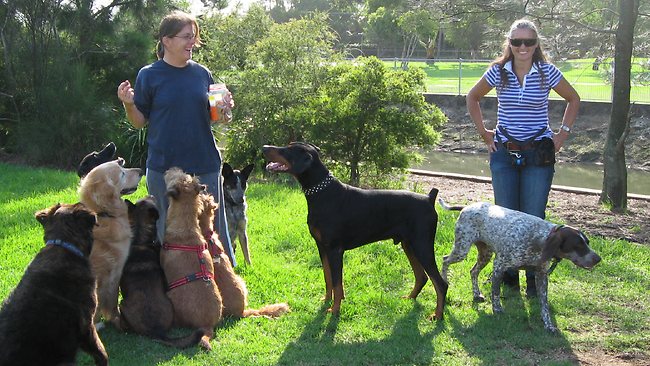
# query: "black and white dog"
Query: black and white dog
{"points": [[234, 191]]}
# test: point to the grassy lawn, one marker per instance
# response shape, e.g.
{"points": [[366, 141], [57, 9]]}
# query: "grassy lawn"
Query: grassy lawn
{"points": [[604, 310], [592, 85]]}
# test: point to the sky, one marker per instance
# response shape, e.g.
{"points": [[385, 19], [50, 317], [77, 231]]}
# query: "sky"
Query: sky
{"points": [[197, 6]]}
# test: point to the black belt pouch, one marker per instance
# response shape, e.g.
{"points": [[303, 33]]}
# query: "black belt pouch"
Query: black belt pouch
{"points": [[544, 152]]}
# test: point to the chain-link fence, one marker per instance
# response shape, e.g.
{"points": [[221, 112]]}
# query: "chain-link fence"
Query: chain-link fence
{"points": [[591, 78]]}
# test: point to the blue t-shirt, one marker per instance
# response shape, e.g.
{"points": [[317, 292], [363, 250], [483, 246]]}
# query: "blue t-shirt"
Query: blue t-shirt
{"points": [[175, 102], [523, 109]]}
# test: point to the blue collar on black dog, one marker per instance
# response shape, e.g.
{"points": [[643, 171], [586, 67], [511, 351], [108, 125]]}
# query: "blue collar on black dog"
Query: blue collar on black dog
{"points": [[66, 245]]}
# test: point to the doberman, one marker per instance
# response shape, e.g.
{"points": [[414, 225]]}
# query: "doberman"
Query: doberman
{"points": [[342, 217]]}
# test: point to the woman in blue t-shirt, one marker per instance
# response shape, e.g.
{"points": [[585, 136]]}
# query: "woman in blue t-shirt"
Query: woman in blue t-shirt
{"points": [[170, 97], [522, 146]]}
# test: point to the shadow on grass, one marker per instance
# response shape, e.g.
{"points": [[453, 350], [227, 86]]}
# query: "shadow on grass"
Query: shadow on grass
{"points": [[318, 344], [516, 335]]}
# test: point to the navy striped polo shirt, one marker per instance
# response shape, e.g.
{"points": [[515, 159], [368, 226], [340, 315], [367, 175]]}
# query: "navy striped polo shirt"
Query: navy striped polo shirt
{"points": [[523, 109]]}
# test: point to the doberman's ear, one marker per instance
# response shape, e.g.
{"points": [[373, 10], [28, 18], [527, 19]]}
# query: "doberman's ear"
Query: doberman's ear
{"points": [[246, 172], [315, 147], [552, 245]]}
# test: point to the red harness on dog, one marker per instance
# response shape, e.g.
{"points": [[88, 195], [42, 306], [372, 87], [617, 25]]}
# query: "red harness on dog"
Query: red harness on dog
{"points": [[203, 274], [214, 248]]}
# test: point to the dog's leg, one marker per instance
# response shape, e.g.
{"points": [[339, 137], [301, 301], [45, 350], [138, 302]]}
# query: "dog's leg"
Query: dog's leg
{"points": [[497, 278], [205, 340], [232, 232], [541, 282], [93, 345], [327, 274], [484, 256], [423, 250], [243, 240], [418, 272], [335, 260]]}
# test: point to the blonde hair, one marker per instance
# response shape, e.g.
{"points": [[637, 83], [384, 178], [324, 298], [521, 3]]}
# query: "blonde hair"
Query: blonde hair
{"points": [[171, 25]]}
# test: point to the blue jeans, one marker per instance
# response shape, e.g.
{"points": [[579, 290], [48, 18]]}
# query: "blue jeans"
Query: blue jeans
{"points": [[523, 189], [156, 187]]}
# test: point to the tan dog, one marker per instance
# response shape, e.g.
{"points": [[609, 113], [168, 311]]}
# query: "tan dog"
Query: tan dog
{"points": [[101, 191], [186, 261], [232, 287]]}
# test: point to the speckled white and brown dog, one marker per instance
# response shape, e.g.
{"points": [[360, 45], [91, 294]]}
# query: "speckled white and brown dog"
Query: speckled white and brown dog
{"points": [[519, 240]]}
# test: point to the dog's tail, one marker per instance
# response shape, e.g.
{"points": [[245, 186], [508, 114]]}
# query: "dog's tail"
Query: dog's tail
{"points": [[191, 339], [450, 208], [269, 311]]}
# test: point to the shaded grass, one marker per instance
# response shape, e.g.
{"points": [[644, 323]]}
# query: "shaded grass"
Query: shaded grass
{"points": [[605, 309]]}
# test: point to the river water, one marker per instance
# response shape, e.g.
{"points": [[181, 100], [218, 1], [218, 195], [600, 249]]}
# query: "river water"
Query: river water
{"points": [[580, 175]]}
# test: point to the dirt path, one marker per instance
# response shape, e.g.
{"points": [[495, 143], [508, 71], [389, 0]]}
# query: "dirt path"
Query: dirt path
{"points": [[580, 210]]}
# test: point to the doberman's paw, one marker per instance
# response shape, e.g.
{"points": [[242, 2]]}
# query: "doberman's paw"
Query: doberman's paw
{"points": [[334, 312]]}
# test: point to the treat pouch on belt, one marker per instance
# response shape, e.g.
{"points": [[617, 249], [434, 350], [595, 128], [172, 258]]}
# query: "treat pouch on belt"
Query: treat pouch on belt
{"points": [[544, 154]]}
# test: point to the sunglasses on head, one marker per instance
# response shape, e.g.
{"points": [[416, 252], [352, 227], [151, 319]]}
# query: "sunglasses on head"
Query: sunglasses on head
{"points": [[528, 42]]}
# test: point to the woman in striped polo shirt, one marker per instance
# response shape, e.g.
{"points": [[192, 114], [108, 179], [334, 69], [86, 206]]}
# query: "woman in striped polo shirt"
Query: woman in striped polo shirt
{"points": [[522, 146]]}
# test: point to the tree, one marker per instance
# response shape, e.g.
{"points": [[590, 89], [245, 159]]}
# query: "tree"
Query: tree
{"points": [[368, 116], [281, 71], [615, 172]]}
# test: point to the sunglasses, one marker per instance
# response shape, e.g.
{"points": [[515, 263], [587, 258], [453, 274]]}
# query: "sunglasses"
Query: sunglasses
{"points": [[528, 42]]}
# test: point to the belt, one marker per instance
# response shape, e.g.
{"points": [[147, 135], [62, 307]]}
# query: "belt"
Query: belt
{"points": [[511, 146]]}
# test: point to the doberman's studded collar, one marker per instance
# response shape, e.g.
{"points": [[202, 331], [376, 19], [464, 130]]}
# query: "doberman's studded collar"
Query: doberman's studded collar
{"points": [[320, 186]]}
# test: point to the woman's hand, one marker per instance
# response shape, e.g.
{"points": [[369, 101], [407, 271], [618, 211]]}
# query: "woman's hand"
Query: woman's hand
{"points": [[125, 92], [559, 138], [488, 138]]}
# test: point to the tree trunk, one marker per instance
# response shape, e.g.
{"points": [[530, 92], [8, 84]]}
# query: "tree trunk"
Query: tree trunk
{"points": [[615, 177]]}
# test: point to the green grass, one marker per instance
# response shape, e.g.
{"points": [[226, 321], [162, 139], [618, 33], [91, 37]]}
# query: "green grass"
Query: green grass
{"points": [[591, 85], [605, 309]]}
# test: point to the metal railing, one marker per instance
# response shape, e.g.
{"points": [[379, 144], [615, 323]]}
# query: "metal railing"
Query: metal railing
{"points": [[592, 79]]}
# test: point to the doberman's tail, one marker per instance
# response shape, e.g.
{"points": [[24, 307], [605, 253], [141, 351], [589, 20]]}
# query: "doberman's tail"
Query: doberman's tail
{"points": [[269, 311], [450, 208], [432, 196]]}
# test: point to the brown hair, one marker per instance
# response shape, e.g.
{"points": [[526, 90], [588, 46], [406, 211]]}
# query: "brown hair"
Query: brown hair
{"points": [[171, 25], [539, 56]]}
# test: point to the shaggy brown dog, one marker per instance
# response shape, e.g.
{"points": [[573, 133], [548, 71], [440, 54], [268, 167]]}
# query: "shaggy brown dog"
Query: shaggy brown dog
{"points": [[186, 261], [49, 315], [145, 309], [232, 287], [101, 191]]}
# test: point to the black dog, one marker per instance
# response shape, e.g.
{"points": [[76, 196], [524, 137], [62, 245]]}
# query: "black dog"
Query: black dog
{"points": [[49, 315], [234, 192], [95, 158], [145, 308], [342, 217]]}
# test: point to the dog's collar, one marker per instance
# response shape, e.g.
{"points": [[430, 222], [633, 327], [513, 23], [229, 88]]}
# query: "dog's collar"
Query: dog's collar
{"points": [[320, 186], [66, 245]]}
